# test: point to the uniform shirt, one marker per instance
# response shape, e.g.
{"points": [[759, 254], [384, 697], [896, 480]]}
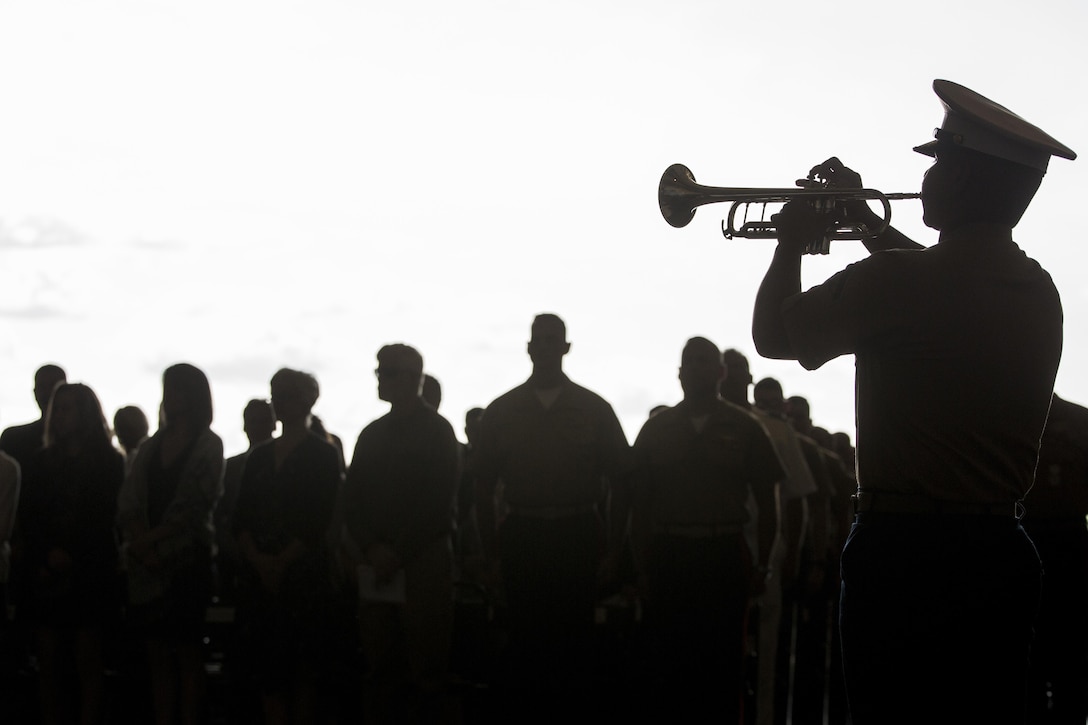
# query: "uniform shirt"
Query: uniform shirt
{"points": [[956, 349], [702, 477], [798, 481], [551, 457]]}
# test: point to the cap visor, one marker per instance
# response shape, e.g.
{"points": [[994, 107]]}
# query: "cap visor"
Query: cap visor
{"points": [[928, 149]]}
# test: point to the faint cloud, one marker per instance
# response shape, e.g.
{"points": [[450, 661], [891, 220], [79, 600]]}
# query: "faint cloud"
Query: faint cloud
{"points": [[32, 313], [40, 233], [241, 370]]}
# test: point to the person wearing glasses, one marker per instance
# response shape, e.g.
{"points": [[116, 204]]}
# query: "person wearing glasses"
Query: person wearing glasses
{"points": [[398, 512]]}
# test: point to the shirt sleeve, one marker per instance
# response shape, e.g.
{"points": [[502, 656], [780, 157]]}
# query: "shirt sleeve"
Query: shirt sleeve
{"points": [[837, 317]]}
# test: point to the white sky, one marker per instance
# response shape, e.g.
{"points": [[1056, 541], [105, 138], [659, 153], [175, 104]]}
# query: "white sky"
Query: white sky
{"points": [[251, 185]]}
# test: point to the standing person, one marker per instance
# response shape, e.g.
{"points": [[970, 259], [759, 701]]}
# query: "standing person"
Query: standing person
{"points": [[793, 488], [956, 348], [1055, 519], [818, 582], [799, 494], [555, 447], [259, 425], [695, 466], [432, 391], [21, 442], [131, 428], [399, 498], [281, 521], [165, 514], [467, 532], [71, 553]]}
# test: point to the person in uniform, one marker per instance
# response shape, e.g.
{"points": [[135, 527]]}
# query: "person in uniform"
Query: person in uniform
{"points": [[695, 466], [956, 347], [555, 447], [793, 489]]}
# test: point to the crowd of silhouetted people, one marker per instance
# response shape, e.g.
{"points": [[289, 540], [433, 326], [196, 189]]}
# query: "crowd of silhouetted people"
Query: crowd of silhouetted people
{"points": [[545, 568]]}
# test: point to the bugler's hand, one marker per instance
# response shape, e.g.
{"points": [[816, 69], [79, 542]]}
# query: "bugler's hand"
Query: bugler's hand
{"points": [[833, 174], [836, 175], [802, 229]]}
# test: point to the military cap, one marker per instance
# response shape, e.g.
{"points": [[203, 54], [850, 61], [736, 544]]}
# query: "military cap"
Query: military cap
{"points": [[975, 122]]}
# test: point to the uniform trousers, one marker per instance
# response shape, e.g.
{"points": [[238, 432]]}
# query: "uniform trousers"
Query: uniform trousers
{"points": [[696, 610], [936, 618], [549, 572]]}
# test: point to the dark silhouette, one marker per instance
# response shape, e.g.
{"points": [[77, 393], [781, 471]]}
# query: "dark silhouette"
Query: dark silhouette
{"points": [[817, 573], [657, 409], [259, 425], [283, 514], [793, 489], [555, 447], [10, 485], [956, 351], [71, 555], [131, 428], [431, 391], [1055, 519], [399, 499], [695, 466], [21, 442], [831, 696], [468, 548], [318, 426], [165, 513], [797, 538]]}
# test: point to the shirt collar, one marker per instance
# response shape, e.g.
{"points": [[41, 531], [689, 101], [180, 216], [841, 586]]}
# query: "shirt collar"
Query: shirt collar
{"points": [[978, 233]]}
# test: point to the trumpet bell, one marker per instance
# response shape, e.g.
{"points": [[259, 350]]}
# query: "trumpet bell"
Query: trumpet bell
{"points": [[676, 195]]}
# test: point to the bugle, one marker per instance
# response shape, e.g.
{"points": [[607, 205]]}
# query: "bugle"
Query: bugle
{"points": [[678, 196]]}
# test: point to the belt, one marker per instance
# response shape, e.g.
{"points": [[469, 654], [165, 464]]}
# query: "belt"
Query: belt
{"points": [[552, 512], [698, 531], [889, 502]]}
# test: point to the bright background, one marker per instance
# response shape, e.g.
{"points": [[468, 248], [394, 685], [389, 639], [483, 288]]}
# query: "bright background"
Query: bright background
{"points": [[249, 185]]}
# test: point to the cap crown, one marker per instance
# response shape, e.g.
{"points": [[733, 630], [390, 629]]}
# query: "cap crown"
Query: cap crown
{"points": [[975, 122]]}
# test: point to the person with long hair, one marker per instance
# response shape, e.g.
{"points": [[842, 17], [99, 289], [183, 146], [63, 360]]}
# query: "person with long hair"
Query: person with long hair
{"points": [[72, 575], [165, 514]]}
